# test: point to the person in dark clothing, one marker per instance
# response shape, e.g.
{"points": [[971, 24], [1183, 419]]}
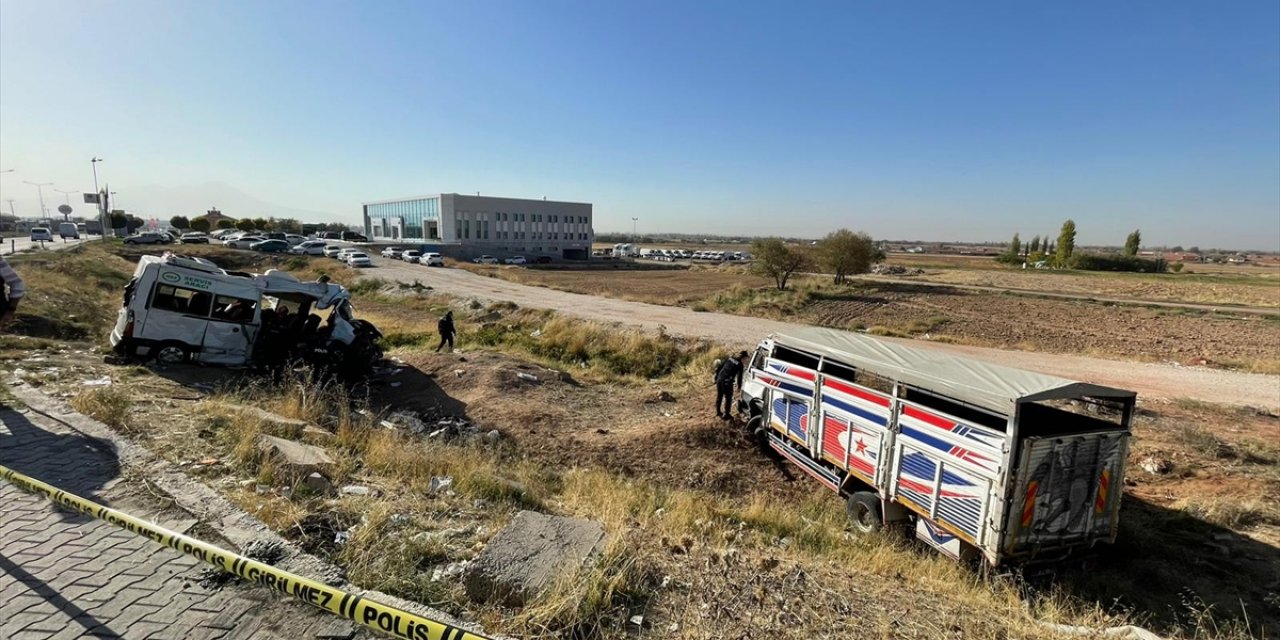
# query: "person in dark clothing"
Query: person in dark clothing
{"points": [[728, 381], [445, 327]]}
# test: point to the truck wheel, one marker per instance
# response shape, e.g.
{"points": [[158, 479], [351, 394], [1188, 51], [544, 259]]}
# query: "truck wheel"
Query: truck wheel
{"points": [[168, 353], [864, 512]]}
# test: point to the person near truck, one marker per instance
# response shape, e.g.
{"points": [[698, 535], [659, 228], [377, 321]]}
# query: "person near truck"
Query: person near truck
{"points": [[728, 381], [445, 327], [13, 290]]}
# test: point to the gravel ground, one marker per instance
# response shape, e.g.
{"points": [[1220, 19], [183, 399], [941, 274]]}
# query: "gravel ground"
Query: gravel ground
{"points": [[1148, 379]]}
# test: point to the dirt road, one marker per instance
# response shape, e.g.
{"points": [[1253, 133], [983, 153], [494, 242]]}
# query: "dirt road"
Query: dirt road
{"points": [[1148, 379]]}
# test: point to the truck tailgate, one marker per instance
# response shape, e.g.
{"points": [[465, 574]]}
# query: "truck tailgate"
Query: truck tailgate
{"points": [[1067, 491]]}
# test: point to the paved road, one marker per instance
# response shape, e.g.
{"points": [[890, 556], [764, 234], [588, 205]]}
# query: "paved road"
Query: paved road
{"points": [[23, 243], [1148, 379], [64, 575]]}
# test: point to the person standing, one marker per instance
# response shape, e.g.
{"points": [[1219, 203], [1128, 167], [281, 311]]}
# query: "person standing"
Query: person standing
{"points": [[445, 327], [12, 293], [728, 381]]}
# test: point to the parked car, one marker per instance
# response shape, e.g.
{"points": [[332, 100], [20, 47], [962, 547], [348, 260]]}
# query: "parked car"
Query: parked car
{"points": [[392, 252], [358, 259], [309, 248], [543, 260], [149, 237], [294, 239], [411, 255], [271, 246], [486, 260], [346, 251], [352, 236], [194, 237], [331, 250], [516, 260], [43, 234], [431, 260], [330, 235], [243, 242]]}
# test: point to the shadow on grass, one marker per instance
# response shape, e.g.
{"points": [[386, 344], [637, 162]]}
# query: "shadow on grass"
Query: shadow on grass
{"points": [[1183, 572]]}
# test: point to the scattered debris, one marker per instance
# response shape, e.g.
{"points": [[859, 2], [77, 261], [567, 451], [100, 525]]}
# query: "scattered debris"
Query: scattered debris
{"points": [[529, 554], [400, 519], [265, 551], [318, 483], [895, 270], [1156, 466], [492, 436], [527, 377], [637, 620], [661, 396], [439, 483], [449, 571], [356, 490], [104, 381]]}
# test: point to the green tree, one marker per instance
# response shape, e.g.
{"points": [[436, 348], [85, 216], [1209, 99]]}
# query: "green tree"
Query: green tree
{"points": [[244, 224], [1034, 247], [119, 220], [1133, 242], [777, 260], [844, 253], [287, 225], [224, 223], [133, 223], [1066, 244], [180, 222], [200, 224]]}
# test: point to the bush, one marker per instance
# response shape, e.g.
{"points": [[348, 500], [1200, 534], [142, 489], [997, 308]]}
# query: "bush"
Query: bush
{"points": [[1117, 263]]}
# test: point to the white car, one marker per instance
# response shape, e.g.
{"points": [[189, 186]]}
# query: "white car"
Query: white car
{"points": [[392, 252], [294, 239], [332, 251], [344, 252], [516, 260], [411, 256], [243, 242], [431, 260], [309, 248], [358, 259], [41, 234], [486, 260]]}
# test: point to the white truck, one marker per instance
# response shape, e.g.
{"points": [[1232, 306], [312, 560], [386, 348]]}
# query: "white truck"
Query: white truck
{"points": [[982, 460], [179, 309]]}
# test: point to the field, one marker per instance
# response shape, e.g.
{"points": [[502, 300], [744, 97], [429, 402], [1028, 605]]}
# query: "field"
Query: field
{"points": [[694, 513], [898, 307]]}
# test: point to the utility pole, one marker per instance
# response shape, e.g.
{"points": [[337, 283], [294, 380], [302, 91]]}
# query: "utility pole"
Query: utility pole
{"points": [[15, 216], [44, 213], [633, 230], [102, 205]]}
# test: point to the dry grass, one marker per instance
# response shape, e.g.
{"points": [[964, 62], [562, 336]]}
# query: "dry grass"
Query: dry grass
{"points": [[108, 405]]}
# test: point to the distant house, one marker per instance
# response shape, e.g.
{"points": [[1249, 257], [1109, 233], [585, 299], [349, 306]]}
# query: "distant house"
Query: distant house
{"points": [[213, 216]]}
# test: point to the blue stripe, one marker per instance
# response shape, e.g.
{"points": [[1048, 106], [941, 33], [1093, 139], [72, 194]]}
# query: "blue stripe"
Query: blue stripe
{"points": [[861, 413]]}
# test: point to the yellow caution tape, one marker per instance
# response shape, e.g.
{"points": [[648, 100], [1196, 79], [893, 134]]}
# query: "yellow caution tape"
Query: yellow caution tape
{"points": [[375, 615]]}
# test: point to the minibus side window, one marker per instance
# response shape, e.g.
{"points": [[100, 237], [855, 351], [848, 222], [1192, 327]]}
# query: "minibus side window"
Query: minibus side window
{"points": [[167, 297], [233, 309]]}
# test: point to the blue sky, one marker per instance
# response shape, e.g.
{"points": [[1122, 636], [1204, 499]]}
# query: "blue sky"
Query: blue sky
{"points": [[931, 120]]}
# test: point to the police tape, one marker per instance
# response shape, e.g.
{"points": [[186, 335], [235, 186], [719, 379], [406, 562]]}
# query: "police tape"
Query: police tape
{"points": [[375, 615]]}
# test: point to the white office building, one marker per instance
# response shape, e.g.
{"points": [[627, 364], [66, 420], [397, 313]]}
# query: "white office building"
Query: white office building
{"points": [[467, 226]]}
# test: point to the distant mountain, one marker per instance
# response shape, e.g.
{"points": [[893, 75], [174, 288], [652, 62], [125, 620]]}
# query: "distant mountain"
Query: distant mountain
{"points": [[194, 200]]}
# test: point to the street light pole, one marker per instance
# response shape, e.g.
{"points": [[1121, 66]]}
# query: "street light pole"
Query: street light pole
{"points": [[40, 190], [102, 206], [633, 230]]}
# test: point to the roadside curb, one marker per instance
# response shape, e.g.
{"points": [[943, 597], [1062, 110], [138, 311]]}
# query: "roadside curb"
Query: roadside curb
{"points": [[209, 507]]}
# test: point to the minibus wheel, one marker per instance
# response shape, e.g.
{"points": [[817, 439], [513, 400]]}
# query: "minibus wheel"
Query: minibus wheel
{"points": [[172, 353]]}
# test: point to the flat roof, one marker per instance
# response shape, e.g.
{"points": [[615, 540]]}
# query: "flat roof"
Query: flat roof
{"points": [[467, 195], [990, 386]]}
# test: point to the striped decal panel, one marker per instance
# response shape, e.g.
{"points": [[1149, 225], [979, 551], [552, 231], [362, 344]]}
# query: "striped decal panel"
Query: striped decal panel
{"points": [[791, 416], [972, 447], [959, 499], [860, 444]]}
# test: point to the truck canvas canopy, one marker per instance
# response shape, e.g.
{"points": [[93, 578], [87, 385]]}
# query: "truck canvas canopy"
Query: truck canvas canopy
{"points": [[981, 384]]}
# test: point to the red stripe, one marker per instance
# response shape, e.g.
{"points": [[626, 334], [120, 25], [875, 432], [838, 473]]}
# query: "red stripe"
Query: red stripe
{"points": [[925, 416], [798, 373], [849, 389], [927, 490]]}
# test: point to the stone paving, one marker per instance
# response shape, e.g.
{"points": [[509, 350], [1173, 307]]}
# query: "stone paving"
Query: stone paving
{"points": [[65, 575]]}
